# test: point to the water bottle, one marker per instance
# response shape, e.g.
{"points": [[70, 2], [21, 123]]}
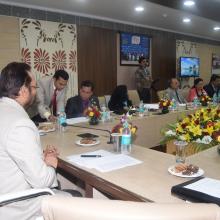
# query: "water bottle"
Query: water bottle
{"points": [[174, 106], [141, 108], [126, 139], [62, 121], [195, 102], [216, 99]]}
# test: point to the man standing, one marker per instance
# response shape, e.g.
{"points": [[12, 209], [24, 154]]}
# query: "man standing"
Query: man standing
{"points": [[51, 94], [213, 85], [23, 165], [173, 91], [77, 105], [143, 80]]}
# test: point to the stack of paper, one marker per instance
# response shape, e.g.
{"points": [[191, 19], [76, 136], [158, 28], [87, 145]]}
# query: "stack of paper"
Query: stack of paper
{"points": [[107, 162], [72, 121], [152, 106]]}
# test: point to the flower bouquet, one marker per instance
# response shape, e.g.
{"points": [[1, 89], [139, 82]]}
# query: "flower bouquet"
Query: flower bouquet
{"points": [[164, 105], [201, 129], [205, 99], [94, 115]]}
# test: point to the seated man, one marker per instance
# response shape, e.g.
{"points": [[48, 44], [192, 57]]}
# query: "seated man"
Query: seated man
{"points": [[23, 165], [77, 105], [173, 91], [51, 96], [213, 85]]}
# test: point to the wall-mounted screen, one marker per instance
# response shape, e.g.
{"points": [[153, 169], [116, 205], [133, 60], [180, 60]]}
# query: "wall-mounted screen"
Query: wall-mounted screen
{"points": [[189, 66], [133, 46]]}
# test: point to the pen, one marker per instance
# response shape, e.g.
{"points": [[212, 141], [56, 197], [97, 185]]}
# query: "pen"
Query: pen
{"points": [[90, 155]]}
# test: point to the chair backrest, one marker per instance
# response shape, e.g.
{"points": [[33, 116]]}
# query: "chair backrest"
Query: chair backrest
{"points": [[161, 94], [134, 97], [102, 100], [60, 208]]}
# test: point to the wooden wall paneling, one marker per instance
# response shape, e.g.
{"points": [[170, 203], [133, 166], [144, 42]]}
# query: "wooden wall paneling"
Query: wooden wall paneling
{"points": [[163, 59], [97, 60]]}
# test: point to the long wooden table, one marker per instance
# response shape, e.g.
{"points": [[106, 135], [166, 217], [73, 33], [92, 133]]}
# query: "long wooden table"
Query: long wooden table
{"points": [[148, 181]]}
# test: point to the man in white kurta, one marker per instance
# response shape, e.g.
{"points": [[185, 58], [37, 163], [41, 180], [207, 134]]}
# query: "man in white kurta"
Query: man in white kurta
{"points": [[23, 165]]}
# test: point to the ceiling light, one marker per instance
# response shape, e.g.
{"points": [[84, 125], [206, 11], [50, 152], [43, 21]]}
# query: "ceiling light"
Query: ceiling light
{"points": [[217, 28], [139, 9], [189, 3], [165, 15], [186, 20]]}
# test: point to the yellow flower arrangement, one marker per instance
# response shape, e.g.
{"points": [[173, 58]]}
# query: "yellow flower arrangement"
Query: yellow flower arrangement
{"points": [[205, 99], [202, 127], [164, 103]]}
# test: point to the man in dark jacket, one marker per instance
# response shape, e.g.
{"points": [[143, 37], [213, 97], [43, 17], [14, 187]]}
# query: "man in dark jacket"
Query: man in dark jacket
{"points": [[77, 106], [213, 85]]}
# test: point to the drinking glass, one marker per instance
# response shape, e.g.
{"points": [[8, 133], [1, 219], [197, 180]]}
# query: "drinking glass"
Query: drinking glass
{"points": [[116, 139], [180, 151]]}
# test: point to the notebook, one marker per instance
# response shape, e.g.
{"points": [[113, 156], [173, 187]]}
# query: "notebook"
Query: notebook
{"points": [[201, 189]]}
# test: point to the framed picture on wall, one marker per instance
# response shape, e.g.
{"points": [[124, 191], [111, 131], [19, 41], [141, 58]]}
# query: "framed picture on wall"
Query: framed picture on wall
{"points": [[215, 63], [133, 46]]}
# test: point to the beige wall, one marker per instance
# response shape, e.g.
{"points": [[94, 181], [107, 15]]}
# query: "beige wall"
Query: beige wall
{"points": [[205, 52], [9, 40]]}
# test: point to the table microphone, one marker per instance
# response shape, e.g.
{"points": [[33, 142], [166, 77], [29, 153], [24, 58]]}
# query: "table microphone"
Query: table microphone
{"points": [[97, 129]]}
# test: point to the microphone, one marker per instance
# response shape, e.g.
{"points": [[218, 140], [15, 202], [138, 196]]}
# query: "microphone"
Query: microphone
{"points": [[97, 129]]}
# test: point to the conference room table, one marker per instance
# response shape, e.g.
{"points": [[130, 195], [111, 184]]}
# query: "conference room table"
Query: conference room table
{"points": [[148, 181], [149, 127]]}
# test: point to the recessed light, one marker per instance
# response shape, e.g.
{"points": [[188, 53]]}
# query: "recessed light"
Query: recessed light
{"points": [[139, 9], [217, 28], [165, 15], [186, 20], [189, 3]]}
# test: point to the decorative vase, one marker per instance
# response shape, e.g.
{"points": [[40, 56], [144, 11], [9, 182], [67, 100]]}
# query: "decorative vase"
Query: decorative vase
{"points": [[93, 121], [165, 110]]}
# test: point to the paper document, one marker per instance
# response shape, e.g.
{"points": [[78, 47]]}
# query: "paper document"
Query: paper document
{"points": [[72, 121], [152, 106], [115, 162], [87, 161], [207, 185], [107, 162]]}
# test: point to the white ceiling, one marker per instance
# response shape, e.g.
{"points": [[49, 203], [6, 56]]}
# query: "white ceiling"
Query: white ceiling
{"points": [[123, 11]]}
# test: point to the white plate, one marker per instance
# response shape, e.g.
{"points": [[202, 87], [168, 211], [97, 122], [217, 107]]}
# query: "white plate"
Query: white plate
{"points": [[46, 130], [87, 145], [171, 170]]}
